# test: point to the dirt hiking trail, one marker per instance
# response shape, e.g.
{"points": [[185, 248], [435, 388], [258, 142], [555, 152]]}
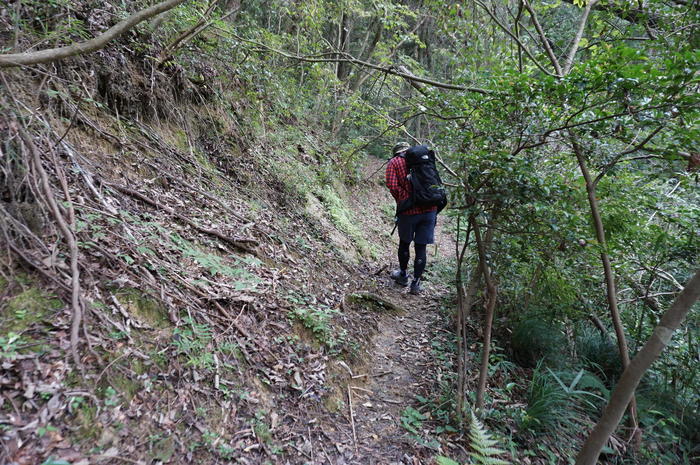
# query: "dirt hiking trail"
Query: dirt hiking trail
{"points": [[389, 424]]}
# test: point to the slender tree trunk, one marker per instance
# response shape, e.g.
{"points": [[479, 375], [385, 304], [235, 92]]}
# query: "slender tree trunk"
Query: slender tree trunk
{"points": [[464, 303], [483, 246], [461, 348], [343, 68], [517, 35], [609, 275], [624, 390], [461, 340]]}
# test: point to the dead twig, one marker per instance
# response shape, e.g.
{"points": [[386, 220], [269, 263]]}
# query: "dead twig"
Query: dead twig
{"points": [[380, 270], [104, 370], [241, 244], [352, 419]]}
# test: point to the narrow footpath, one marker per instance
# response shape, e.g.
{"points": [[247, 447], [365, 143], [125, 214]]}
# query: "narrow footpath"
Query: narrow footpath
{"points": [[386, 419]]}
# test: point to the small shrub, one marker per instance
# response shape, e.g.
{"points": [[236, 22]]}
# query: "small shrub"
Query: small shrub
{"points": [[318, 319], [192, 340], [412, 420], [555, 400], [534, 338], [547, 403], [670, 422], [598, 353], [485, 450]]}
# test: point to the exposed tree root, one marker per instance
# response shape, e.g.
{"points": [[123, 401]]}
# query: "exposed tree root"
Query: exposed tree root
{"points": [[68, 231]]}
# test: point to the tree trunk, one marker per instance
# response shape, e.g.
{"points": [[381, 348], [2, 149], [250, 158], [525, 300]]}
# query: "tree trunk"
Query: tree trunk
{"points": [[464, 304], [459, 326], [343, 44], [607, 269], [624, 391], [483, 246]]}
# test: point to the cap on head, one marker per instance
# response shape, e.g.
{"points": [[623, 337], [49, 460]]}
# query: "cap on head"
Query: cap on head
{"points": [[400, 147]]}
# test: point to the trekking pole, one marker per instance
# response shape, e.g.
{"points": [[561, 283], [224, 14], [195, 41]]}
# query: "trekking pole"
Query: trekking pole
{"points": [[396, 224]]}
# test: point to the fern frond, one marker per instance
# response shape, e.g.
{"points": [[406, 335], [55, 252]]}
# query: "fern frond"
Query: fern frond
{"points": [[491, 461], [445, 461], [484, 447]]}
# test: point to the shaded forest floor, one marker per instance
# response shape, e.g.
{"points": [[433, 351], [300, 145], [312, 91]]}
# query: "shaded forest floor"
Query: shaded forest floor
{"points": [[232, 293]]}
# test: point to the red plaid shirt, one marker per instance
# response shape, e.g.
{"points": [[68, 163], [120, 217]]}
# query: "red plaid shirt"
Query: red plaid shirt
{"points": [[400, 187]]}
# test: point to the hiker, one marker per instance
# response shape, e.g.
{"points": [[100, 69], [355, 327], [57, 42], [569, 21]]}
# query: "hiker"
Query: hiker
{"points": [[415, 223]]}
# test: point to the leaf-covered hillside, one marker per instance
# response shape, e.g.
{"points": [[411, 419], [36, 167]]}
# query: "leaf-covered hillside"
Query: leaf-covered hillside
{"points": [[195, 232]]}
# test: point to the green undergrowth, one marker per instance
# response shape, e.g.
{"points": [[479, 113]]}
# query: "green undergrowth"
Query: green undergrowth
{"points": [[22, 316], [144, 307], [318, 318], [343, 219], [303, 165]]}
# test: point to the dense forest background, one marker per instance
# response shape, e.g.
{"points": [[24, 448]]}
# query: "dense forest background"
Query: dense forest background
{"points": [[194, 232]]}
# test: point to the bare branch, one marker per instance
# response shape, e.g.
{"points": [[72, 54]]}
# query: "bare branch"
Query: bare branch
{"points": [[579, 34], [514, 37], [68, 230], [617, 157], [89, 46], [191, 33], [543, 38], [350, 59]]}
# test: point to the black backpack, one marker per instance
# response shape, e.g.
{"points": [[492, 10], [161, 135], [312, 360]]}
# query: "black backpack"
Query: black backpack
{"points": [[428, 190]]}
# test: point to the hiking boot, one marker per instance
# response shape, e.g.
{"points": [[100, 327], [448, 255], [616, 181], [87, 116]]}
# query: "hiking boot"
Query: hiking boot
{"points": [[416, 288], [400, 277]]}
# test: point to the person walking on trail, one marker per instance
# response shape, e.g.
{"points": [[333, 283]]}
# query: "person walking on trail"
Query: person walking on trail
{"points": [[416, 224]]}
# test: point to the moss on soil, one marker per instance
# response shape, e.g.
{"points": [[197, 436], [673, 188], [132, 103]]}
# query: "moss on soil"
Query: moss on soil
{"points": [[163, 449], [30, 306], [144, 307], [128, 388], [342, 218]]}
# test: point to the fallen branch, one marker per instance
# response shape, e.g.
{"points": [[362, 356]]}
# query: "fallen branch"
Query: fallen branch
{"points": [[89, 46], [241, 244], [600, 327], [352, 418], [380, 270]]}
